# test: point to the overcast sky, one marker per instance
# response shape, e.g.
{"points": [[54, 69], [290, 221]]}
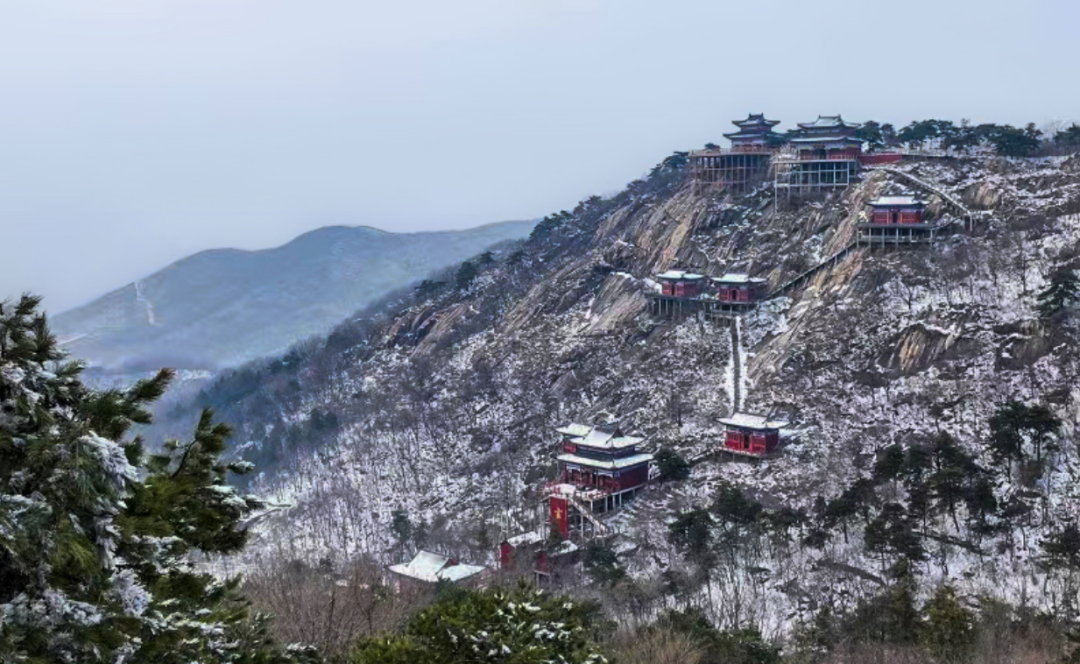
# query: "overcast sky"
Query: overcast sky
{"points": [[136, 132]]}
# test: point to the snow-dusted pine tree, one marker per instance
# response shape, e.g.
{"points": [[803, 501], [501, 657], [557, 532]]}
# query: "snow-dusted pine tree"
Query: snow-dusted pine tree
{"points": [[95, 546]]}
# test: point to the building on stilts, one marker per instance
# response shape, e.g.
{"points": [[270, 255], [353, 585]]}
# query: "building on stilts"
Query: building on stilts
{"points": [[824, 156], [744, 164], [896, 220], [736, 293], [600, 469], [680, 293]]}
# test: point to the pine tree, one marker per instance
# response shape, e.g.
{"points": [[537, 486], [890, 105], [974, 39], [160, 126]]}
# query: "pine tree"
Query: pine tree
{"points": [[1069, 138], [466, 274], [890, 464], [523, 626], [1062, 293], [948, 632], [94, 558], [671, 465], [602, 564], [871, 132], [402, 527], [1006, 443], [692, 532]]}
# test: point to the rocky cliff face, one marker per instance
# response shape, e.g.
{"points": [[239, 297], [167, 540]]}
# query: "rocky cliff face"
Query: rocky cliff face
{"points": [[446, 406]]}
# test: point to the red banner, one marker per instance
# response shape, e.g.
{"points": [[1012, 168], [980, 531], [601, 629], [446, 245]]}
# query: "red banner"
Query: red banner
{"points": [[559, 515]]}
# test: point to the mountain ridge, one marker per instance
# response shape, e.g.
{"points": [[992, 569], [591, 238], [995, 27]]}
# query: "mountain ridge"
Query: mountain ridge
{"points": [[221, 307]]}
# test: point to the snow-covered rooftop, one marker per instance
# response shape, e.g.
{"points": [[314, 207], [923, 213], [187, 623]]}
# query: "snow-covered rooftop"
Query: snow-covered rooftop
{"points": [[607, 437], [574, 429], [679, 274], [752, 421], [738, 278], [525, 538], [894, 201], [828, 121], [755, 119], [624, 462], [433, 567]]}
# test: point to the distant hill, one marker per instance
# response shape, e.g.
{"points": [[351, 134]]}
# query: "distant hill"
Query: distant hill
{"points": [[223, 307]]}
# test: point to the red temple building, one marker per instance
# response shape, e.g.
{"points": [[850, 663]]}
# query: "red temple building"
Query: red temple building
{"points": [[530, 552], [755, 134], [677, 283], [735, 291], [825, 154], [600, 469], [896, 219], [751, 435], [679, 292], [745, 163]]}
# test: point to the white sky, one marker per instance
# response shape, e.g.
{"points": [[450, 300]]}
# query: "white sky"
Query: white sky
{"points": [[135, 132]]}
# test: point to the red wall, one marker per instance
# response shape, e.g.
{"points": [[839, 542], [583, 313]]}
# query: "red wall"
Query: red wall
{"points": [[752, 442], [506, 555], [885, 216], [633, 477], [685, 289], [738, 294]]}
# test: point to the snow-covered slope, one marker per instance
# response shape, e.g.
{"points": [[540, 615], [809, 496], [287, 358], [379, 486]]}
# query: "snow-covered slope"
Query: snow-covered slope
{"points": [[446, 406]]}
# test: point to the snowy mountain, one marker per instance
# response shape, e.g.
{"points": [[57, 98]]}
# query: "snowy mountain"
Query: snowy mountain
{"points": [[445, 406], [222, 307]]}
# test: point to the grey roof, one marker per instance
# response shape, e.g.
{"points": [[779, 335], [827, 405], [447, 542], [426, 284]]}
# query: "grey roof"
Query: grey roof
{"points": [[433, 567], [607, 437], [752, 421], [526, 538], [613, 464], [574, 429], [752, 119], [737, 278], [897, 201], [825, 139], [829, 121], [679, 274], [751, 134]]}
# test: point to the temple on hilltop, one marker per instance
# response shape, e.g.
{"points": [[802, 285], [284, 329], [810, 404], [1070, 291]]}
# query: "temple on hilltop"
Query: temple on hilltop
{"points": [[745, 163], [755, 134], [824, 155], [750, 435], [896, 220]]}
